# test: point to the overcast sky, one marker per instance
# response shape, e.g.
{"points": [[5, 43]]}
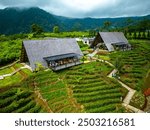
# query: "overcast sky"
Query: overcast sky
{"points": [[85, 8]]}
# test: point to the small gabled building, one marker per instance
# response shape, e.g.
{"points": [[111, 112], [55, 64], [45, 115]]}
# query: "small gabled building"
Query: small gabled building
{"points": [[88, 41], [53, 53], [111, 41]]}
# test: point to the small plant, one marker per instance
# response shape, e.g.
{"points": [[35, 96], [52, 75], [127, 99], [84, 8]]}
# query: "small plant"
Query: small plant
{"points": [[39, 67]]}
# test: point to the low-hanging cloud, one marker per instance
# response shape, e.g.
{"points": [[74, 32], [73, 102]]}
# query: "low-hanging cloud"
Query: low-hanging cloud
{"points": [[85, 8]]}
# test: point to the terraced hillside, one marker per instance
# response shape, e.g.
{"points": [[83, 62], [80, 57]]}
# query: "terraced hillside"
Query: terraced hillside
{"points": [[16, 78], [83, 88], [19, 100], [136, 64], [91, 87], [55, 93]]}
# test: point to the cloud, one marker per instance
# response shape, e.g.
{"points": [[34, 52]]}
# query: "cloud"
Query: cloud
{"points": [[85, 8]]}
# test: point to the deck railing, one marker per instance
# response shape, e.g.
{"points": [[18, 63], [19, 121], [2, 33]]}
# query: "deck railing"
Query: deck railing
{"points": [[66, 65]]}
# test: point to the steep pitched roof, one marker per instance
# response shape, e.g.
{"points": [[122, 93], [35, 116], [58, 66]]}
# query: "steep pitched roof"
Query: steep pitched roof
{"points": [[110, 38], [36, 50]]}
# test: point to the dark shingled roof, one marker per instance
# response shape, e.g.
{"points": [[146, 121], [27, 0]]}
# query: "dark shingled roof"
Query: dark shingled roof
{"points": [[110, 38], [37, 50]]}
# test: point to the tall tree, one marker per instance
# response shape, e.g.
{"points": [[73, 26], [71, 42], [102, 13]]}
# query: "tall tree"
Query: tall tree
{"points": [[55, 29], [134, 35], [143, 35], [139, 35], [36, 29]]}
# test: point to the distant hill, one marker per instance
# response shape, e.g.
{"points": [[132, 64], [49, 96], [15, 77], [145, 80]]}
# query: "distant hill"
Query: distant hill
{"points": [[17, 20]]}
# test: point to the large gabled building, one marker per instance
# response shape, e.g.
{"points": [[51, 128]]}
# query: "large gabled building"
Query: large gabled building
{"points": [[111, 41], [53, 53]]}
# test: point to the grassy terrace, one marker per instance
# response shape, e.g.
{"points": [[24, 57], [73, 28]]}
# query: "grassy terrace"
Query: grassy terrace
{"points": [[6, 71], [16, 78], [19, 100], [83, 88], [136, 64], [92, 88], [10, 80], [55, 92]]}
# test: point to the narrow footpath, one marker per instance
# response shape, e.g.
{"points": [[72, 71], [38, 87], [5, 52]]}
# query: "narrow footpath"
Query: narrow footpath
{"points": [[14, 72], [129, 96], [131, 91]]}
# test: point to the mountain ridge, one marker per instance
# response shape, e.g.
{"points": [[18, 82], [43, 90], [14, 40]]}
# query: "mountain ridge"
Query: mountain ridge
{"points": [[19, 20]]}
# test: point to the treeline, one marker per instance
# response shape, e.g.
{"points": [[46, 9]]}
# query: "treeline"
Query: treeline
{"points": [[138, 35], [9, 51], [139, 30]]}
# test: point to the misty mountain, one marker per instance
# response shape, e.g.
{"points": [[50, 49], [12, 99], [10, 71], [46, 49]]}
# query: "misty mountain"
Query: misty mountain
{"points": [[19, 20]]}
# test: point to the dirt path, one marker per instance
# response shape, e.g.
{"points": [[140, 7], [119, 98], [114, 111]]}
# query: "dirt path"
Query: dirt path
{"points": [[73, 100], [24, 76], [40, 99]]}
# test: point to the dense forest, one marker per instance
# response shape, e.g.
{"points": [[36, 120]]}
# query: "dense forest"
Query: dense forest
{"points": [[17, 20]]}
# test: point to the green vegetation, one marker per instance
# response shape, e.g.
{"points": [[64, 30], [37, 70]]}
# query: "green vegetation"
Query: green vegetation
{"points": [[8, 81], [56, 29], [83, 88], [83, 47], [136, 64], [47, 21], [27, 72], [147, 84], [36, 29], [9, 51], [138, 100], [14, 42], [16, 78], [55, 92], [67, 34], [138, 35], [6, 71], [18, 100], [92, 88]]}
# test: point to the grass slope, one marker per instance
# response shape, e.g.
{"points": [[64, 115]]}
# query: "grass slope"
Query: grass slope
{"points": [[92, 88], [18, 100], [136, 64]]}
